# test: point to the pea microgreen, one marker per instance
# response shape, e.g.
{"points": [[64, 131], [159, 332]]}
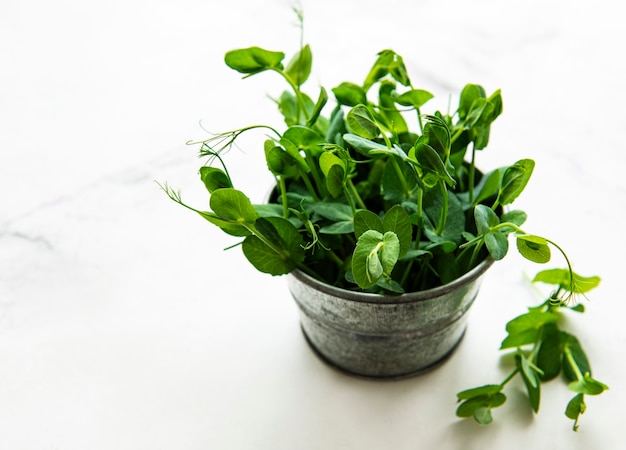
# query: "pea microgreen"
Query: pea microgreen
{"points": [[377, 196], [543, 350]]}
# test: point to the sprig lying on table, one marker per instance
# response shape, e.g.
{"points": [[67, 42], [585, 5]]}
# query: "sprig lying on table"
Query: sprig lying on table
{"points": [[543, 352]]}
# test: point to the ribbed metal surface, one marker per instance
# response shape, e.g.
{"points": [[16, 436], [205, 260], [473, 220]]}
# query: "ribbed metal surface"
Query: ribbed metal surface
{"points": [[384, 336]]}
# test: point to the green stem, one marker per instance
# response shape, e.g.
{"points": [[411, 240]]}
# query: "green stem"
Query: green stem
{"points": [[319, 181], [572, 362], [335, 258], [355, 194], [407, 271], [221, 137], [476, 252], [457, 133], [283, 191], [386, 139], [420, 213], [301, 105], [509, 378], [401, 177], [350, 200], [471, 175], [537, 345], [419, 120], [444, 208], [310, 187], [567, 261], [509, 225]]}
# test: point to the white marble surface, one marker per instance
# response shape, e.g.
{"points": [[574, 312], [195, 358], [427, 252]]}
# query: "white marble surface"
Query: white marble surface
{"points": [[123, 326]]}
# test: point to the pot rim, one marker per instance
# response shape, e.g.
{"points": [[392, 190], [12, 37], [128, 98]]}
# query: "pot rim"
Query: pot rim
{"points": [[407, 297]]}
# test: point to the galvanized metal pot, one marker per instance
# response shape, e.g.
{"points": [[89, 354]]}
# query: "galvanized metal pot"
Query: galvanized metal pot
{"points": [[385, 336]]}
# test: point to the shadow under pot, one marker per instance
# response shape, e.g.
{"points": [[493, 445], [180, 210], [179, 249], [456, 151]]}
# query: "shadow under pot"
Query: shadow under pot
{"points": [[385, 336]]}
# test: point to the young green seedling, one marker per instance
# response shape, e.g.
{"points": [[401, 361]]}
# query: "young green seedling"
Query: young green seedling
{"points": [[375, 195], [543, 351]]}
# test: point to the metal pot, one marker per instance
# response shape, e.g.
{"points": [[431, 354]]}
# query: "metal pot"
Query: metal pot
{"points": [[385, 336]]}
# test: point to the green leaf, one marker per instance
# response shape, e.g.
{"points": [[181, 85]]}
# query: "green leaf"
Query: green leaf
{"points": [[293, 151], [414, 97], [430, 161], [561, 277], [440, 246], [375, 255], [575, 408], [395, 150], [228, 226], [398, 182], [398, 221], [455, 219], [253, 60], [531, 380], [515, 179], [394, 120], [487, 389], [233, 205], [364, 146], [488, 187], [577, 362], [524, 329], [480, 407], [514, 216], [214, 178], [389, 252], [319, 105], [587, 386], [365, 220], [360, 122], [299, 67], [437, 135], [335, 180], [336, 212], [398, 71], [519, 339], [279, 162], [482, 415], [497, 244], [341, 227], [549, 355], [482, 113], [495, 101], [469, 94], [485, 218], [269, 210], [531, 320], [290, 108], [277, 250], [533, 248], [336, 127], [416, 253], [334, 169], [232, 212], [304, 139], [379, 69], [391, 286], [474, 115], [350, 94]]}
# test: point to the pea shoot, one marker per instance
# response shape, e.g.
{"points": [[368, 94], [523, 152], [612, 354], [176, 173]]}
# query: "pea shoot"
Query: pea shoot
{"points": [[374, 194]]}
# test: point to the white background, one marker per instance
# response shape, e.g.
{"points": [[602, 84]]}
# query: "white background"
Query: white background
{"points": [[123, 324]]}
